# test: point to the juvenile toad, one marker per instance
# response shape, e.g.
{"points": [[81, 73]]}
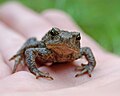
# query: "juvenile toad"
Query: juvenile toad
{"points": [[56, 46]]}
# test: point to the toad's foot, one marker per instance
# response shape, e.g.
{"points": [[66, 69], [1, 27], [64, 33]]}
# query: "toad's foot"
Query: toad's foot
{"points": [[43, 75], [84, 69], [18, 60]]}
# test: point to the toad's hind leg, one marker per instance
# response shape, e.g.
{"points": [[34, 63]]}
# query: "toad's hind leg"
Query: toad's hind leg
{"points": [[31, 42], [30, 55], [86, 51], [19, 56], [18, 60]]}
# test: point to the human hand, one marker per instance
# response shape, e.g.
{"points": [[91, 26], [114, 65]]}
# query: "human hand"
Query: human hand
{"points": [[19, 23]]}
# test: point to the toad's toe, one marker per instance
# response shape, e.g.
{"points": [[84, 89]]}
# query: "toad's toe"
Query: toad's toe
{"points": [[84, 69], [43, 75]]}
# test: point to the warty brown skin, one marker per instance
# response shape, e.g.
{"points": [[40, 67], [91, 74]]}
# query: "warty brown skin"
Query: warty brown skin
{"points": [[56, 46]]}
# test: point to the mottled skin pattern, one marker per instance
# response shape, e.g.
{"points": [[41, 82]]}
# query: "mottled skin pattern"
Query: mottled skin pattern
{"points": [[56, 46]]}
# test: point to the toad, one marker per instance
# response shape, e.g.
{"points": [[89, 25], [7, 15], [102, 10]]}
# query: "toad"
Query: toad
{"points": [[57, 46]]}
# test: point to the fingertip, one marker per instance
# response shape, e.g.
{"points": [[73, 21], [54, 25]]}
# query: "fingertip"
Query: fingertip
{"points": [[24, 20], [5, 10]]}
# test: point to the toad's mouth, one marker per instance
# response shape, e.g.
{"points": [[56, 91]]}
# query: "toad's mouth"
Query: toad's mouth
{"points": [[61, 48]]}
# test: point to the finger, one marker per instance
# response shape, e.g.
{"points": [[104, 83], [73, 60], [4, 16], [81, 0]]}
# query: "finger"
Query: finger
{"points": [[10, 42], [60, 19], [28, 24]]}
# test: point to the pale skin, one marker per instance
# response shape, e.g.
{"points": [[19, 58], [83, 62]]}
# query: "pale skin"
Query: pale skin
{"points": [[16, 28]]}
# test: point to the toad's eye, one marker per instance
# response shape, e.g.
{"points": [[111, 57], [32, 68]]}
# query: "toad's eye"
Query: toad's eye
{"points": [[54, 31], [78, 37]]}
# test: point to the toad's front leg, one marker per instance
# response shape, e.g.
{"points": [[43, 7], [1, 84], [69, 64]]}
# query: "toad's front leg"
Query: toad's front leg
{"points": [[31, 55], [19, 56], [86, 51]]}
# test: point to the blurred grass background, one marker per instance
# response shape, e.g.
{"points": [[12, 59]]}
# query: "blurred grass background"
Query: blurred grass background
{"points": [[98, 18]]}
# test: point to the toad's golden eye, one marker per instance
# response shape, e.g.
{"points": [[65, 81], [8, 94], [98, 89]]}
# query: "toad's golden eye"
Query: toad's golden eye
{"points": [[78, 37], [54, 31]]}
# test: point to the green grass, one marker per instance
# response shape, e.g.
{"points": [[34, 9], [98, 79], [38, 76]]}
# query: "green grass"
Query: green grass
{"points": [[98, 18]]}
